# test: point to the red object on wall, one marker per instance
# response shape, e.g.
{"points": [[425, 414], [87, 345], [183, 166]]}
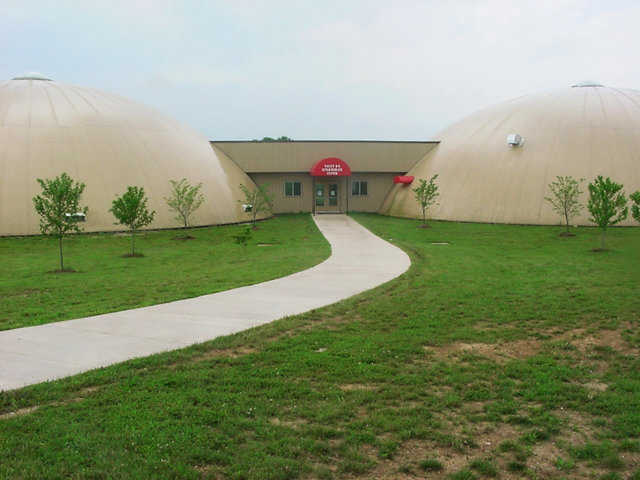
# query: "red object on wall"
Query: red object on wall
{"points": [[406, 179], [330, 167]]}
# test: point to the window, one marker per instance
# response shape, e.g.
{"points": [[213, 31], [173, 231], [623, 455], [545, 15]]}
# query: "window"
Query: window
{"points": [[359, 187], [292, 189]]}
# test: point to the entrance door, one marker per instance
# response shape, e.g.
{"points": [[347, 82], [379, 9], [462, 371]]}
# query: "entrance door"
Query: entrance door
{"points": [[327, 197]]}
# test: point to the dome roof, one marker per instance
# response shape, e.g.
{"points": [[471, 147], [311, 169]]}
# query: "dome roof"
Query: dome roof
{"points": [[107, 142], [495, 165]]}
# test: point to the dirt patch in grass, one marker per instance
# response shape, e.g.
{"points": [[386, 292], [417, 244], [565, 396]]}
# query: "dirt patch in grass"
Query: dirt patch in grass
{"points": [[543, 459], [79, 396], [133, 255], [18, 413], [595, 386], [498, 352], [184, 237], [234, 352], [578, 428], [353, 387], [406, 461], [586, 342], [505, 351], [295, 424]]}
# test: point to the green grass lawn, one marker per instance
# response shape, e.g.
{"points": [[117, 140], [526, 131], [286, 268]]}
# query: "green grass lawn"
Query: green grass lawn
{"points": [[170, 270], [507, 353]]}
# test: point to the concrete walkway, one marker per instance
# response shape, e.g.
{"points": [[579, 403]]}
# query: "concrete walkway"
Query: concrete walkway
{"points": [[359, 261]]}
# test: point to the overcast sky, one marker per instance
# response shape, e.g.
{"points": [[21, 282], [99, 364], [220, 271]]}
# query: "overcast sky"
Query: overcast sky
{"points": [[395, 70]]}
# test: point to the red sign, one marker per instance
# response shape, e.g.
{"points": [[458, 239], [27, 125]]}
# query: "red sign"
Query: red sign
{"points": [[405, 179], [330, 167]]}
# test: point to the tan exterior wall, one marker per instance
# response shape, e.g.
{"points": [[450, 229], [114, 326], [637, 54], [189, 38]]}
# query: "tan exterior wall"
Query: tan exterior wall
{"points": [[378, 186], [282, 203], [299, 156]]}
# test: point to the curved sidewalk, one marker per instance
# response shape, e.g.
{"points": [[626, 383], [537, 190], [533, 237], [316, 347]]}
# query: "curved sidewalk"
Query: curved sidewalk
{"points": [[359, 261]]}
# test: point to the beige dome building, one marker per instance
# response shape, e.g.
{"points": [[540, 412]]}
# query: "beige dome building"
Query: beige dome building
{"points": [[107, 142], [495, 165]]}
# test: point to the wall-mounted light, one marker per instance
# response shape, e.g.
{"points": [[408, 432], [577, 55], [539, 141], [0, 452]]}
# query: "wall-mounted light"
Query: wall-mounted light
{"points": [[515, 140], [76, 217]]}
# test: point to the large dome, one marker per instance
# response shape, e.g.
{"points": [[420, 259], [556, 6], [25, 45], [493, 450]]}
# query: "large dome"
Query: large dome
{"points": [[583, 131], [107, 142]]}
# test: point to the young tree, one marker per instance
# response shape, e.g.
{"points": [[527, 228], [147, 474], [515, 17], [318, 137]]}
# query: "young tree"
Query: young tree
{"points": [[607, 204], [564, 199], [59, 208], [185, 199], [243, 236], [130, 209], [426, 194], [635, 207], [256, 201]]}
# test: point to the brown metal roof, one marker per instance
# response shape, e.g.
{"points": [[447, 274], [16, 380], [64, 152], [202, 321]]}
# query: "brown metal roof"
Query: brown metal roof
{"points": [[299, 156]]}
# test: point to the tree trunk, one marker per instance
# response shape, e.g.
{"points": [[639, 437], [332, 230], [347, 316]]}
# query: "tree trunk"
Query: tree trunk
{"points": [[133, 243], [566, 217], [602, 244], [424, 216], [61, 257]]}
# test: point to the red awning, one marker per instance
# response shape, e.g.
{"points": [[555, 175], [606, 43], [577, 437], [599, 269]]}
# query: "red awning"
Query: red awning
{"points": [[406, 179], [330, 167]]}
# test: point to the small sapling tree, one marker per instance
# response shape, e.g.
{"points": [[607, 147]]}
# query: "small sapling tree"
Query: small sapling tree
{"points": [[243, 236], [256, 201], [59, 208], [130, 209], [426, 194], [185, 199], [607, 205], [564, 199], [635, 207]]}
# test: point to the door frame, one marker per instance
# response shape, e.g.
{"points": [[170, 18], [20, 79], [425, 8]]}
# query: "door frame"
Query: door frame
{"points": [[342, 207]]}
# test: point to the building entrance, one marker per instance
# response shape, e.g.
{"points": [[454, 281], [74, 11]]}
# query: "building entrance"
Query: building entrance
{"points": [[329, 178], [327, 197]]}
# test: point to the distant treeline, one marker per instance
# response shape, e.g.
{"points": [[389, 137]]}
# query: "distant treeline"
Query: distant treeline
{"points": [[271, 139]]}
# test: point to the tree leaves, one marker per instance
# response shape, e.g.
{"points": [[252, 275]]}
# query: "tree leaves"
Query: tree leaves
{"points": [[59, 197], [607, 202], [260, 199], [564, 199], [426, 194], [635, 207], [185, 199]]}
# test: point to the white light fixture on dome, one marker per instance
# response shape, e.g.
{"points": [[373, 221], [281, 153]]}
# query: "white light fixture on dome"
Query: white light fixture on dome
{"points": [[515, 140]]}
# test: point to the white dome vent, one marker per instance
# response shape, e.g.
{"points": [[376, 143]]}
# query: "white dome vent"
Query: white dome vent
{"points": [[587, 83], [32, 76]]}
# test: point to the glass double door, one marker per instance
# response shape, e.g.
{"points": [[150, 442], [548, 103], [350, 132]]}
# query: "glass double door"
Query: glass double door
{"points": [[327, 198]]}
